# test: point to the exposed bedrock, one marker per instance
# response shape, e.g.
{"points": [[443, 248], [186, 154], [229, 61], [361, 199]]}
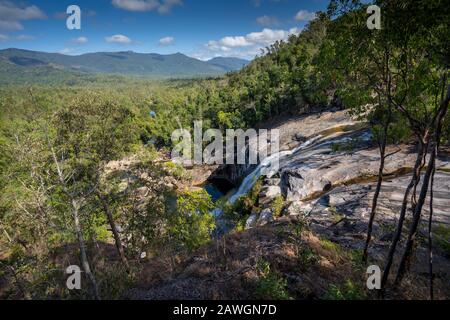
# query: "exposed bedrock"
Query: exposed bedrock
{"points": [[304, 177]]}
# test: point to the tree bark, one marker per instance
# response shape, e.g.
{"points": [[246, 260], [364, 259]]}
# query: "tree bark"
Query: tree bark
{"points": [[430, 233], [114, 230], [424, 190], [83, 255], [376, 195], [415, 222], [78, 231], [401, 219]]}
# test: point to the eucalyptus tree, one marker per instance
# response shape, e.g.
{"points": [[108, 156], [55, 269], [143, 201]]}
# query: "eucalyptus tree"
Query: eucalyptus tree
{"points": [[403, 66], [357, 62], [421, 65], [90, 132]]}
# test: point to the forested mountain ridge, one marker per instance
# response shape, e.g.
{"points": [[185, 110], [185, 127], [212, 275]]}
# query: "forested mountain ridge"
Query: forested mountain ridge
{"points": [[123, 63], [230, 64]]}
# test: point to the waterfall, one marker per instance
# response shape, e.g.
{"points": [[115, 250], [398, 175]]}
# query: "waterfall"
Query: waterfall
{"points": [[313, 145], [267, 163]]}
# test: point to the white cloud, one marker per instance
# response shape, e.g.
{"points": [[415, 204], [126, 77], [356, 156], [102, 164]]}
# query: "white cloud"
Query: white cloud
{"points": [[24, 37], [118, 38], [167, 5], [246, 46], [166, 41], [66, 51], [12, 14], [256, 3], [80, 40], [232, 42], [305, 16], [136, 5], [147, 5], [3, 38], [10, 25], [269, 36], [267, 21]]}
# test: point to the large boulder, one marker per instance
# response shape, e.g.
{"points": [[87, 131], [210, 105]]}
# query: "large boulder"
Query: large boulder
{"points": [[270, 192], [308, 175], [272, 182], [251, 221], [299, 184], [265, 217], [297, 208]]}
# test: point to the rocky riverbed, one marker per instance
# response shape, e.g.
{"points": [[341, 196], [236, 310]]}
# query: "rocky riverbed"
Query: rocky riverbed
{"points": [[326, 177], [330, 182], [340, 155]]}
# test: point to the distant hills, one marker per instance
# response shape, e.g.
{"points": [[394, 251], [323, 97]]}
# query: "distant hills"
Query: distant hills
{"points": [[229, 64], [25, 62]]}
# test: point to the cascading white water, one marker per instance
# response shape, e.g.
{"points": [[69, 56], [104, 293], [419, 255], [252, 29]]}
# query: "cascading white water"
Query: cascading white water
{"points": [[267, 163], [263, 169]]}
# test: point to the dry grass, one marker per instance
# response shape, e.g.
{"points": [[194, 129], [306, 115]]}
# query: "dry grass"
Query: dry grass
{"points": [[311, 268], [228, 268]]}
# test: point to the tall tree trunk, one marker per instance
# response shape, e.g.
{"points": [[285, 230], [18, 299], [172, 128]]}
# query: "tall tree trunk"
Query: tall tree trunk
{"points": [[415, 222], [114, 230], [377, 193], [401, 219], [430, 233], [382, 147], [442, 111], [83, 255], [78, 231]]}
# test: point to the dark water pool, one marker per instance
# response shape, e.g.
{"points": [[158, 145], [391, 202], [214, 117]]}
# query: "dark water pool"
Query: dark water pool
{"points": [[213, 191]]}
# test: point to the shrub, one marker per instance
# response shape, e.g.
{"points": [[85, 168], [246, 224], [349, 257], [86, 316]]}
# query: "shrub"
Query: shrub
{"points": [[331, 246], [442, 238], [348, 291], [192, 224], [306, 256], [277, 206], [270, 286]]}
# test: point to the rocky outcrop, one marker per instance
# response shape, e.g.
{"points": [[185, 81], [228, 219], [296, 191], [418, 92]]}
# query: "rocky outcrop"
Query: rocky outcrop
{"points": [[232, 173], [320, 169], [265, 217], [292, 133], [342, 215], [329, 186], [252, 221]]}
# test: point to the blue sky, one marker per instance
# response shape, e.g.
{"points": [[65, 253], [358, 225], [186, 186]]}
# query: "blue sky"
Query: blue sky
{"points": [[201, 29]]}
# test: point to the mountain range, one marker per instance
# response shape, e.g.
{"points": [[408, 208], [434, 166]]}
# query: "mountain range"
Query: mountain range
{"points": [[24, 62]]}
